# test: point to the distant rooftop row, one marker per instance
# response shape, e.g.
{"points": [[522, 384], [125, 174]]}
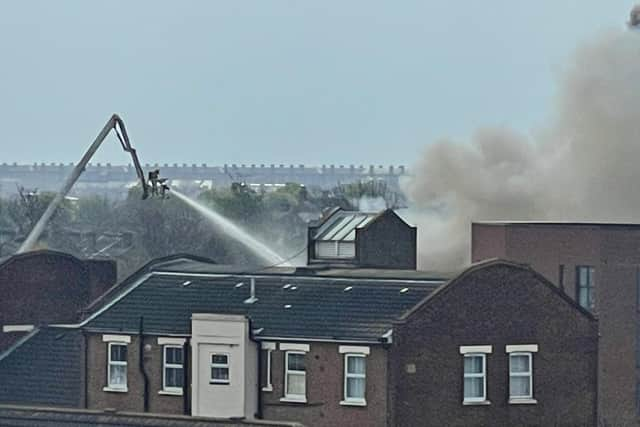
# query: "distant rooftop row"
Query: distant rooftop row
{"points": [[401, 169]]}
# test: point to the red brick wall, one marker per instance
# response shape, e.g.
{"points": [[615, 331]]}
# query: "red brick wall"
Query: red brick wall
{"points": [[48, 287], [614, 251], [497, 306], [325, 377], [487, 242], [133, 399], [102, 275]]}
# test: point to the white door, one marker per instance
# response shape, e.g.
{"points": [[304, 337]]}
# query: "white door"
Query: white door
{"points": [[220, 381]]}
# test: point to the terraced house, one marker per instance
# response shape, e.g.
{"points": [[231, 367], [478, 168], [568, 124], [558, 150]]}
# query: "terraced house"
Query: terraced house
{"points": [[497, 345], [356, 338]]}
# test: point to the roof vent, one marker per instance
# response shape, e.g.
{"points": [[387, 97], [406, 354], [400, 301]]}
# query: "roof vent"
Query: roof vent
{"points": [[347, 289], [293, 288], [252, 298], [287, 286], [404, 290], [239, 285], [186, 283], [287, 306]]}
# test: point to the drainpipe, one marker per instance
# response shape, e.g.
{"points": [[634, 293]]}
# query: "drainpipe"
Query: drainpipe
{"points": [[259, 413], [141, 365], [86, 370], [186, 385]]}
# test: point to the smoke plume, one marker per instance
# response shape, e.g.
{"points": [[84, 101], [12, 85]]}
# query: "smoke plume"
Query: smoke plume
{"points": [[585, 165]]}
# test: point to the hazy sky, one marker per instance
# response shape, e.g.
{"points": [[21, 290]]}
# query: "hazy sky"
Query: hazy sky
{"points": [[280, 81]]}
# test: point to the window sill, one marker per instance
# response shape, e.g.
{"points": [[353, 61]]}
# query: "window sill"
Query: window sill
{"points": [[354, 402], [291, 399], [267, 388], [476, 402], [170, 393], [524, 401], [115, 390]]}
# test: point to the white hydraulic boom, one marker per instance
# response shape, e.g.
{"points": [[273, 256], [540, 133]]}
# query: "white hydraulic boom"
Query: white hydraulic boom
{"points": [[115, 123]]}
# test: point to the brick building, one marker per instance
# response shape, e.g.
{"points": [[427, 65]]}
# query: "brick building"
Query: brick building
{"points": [[597, 265], [497, 345], [47, 287]]}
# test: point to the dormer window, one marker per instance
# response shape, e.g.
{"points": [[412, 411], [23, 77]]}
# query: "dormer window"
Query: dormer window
{"points": [[362, 239], [335, 249], [336, 239]]}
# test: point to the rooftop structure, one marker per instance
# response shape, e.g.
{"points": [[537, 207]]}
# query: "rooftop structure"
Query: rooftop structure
{"points": [[377, 240]]}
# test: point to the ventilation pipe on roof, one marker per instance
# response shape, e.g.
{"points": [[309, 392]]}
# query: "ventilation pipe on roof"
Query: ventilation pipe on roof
{"points": [[252, 298]]}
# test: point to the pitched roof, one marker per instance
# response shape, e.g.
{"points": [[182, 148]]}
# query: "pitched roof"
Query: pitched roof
{"points": [[342, 225], [43, 368], [158, 263], [289, 306], [488, 263]]}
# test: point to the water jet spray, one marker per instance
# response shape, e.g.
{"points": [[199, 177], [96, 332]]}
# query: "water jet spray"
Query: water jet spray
{"points": [[232, 230]]}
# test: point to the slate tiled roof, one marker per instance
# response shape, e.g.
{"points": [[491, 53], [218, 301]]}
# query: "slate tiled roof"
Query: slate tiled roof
{"points": [[43, 368], [288, 306]]}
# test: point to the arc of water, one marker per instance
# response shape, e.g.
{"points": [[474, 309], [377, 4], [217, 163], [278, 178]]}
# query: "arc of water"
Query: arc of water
{"points": [[234, 231]]}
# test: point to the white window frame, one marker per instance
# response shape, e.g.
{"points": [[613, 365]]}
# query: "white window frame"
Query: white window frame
{"points": [[165, 365], [288, 396], [268, 347], [219, 365], [483, 375], [522, 399], [110, 363], [338, 249], [355, 401]]}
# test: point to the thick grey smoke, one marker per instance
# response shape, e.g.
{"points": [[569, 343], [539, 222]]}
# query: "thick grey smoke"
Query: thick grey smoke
{"points": [[584, 166]]}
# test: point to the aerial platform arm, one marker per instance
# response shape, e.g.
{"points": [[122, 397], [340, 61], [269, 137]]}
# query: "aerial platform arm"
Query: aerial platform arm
{"points": [[115, 123]]}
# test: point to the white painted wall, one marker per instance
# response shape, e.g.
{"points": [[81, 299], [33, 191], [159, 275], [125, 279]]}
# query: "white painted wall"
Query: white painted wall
{"points": [[228, 334], [251, 378]]}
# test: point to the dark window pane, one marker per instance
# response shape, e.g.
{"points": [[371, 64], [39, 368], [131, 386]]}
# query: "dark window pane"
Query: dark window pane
{"points": [[355, 388], [118, 353], [585, 286], [355, 365], [220, 374], [519, 364], [296, 362], [222, 359], [173, 377], [473, 365], [174, 355], [473, 388]]}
